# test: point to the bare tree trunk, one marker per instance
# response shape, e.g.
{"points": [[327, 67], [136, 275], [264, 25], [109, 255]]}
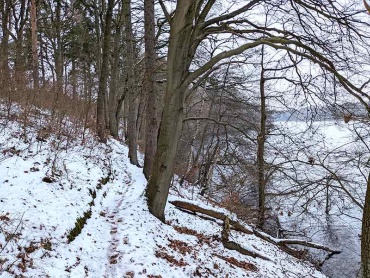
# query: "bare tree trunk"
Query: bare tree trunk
{"points": [[101, 107], [132, 127], [178, 63], [113, 100], [58, 51], [151, 109], [261, 138], [141, 117], [73, 76], [35, 58], [20, 61], [97, 24], [365, 236], [131, 86], [4, 70], [187, 28]]}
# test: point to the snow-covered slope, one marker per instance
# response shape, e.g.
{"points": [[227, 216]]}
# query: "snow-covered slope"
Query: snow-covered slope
{"points": [[46, 186]]}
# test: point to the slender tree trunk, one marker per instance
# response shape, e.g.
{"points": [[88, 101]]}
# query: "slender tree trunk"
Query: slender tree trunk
{"points": [[97, 24], [116, 97], [178, 63], [43, 50], [113, 101], [35, 58], [132, 131], [19, 56], [58, 50], [101, 107], [132, 96], [207, 172], [3, 26], [20, 61], [73, 77], [261, 138], [125, 115], [365, 236], [4, 59], [151, 109], [327, 204], [141, 117]]}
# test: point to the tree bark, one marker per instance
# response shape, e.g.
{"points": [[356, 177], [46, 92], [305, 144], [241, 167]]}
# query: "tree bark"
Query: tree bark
{"points": [[187, 29], [97, 25], [132, 96], [101, 107], [178, 63], [113, 100], [5, 39], [19, 24], [367, 6], [234, 225], [35, 58], [365, 236], [58, 55], [151, 109], [215, 214], [231, 245], [261, 138]]}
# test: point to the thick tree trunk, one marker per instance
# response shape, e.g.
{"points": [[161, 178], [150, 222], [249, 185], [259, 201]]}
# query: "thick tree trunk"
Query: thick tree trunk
{"points": [[169, 136], [178, 63], [186, 32], [365, 237], [101, 107], [151, 109]]}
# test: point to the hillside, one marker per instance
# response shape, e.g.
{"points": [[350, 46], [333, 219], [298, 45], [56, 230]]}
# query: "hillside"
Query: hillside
{"points": [[48, 182]]}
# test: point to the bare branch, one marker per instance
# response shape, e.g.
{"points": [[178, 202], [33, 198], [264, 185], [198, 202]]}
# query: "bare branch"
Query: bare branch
{"points": [[232, 14], [164, 9]]}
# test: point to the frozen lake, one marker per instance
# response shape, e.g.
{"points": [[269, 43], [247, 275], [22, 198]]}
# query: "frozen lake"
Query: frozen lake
{"points": [[324, 212]]}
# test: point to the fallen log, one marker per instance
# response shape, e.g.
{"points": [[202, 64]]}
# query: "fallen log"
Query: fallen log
{"points": [[284, 242], [281, 243], [215, 214]]}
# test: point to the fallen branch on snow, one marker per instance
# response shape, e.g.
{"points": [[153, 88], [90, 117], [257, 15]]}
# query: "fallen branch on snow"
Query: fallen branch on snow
{"points": [[218, 215], [235, 246], [282, 243]]}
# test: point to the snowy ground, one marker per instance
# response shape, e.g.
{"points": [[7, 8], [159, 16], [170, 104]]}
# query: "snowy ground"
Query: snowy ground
{"points": [[46, 186]]}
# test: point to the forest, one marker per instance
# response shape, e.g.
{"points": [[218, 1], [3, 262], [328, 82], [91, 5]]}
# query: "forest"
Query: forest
{"points": [[251, 116]]}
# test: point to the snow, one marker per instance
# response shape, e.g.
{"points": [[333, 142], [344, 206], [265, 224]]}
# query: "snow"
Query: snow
{"points": [[121, 239], [335, 146]]}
